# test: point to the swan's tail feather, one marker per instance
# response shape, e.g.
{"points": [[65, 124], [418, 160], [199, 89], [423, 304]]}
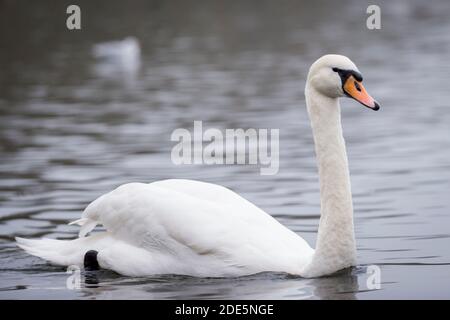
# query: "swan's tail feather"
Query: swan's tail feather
{"points": [[86, 224], [58, 252], [71, 252], [79, 222], [90, 217]]}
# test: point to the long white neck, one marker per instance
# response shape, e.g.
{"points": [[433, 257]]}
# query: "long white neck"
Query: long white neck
{"points": [[335, 246]]}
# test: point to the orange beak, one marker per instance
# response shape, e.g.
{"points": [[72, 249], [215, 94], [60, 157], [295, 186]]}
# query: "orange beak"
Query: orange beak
{"points": [[356, 90]]}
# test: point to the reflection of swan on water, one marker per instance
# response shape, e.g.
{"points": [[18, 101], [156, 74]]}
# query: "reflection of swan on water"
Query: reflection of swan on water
{"points": [[118, 58], [343, 285], [202, 229]]}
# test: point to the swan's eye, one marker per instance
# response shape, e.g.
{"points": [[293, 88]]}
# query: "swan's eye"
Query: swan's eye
{"points": [[344, 74]]}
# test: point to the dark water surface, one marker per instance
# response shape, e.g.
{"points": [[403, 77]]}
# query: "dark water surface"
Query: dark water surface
{"points": [[74, 126]]}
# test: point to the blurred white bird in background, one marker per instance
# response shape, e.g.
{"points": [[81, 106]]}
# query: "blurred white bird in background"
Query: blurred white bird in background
{"points": [[118, 59]]}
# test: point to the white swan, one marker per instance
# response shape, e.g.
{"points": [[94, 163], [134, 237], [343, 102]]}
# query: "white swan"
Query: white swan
{"points": [[201, 229]]}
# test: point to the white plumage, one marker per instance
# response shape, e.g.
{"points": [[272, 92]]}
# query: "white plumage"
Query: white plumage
{"points": [[179, 227], [201, 229]]}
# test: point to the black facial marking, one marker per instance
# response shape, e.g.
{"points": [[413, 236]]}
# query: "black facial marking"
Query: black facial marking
{"points": [[344, 74], [90, 261]]}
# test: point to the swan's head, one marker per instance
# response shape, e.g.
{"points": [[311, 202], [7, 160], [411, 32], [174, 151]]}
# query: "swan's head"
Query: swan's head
{"points": [[337, 76]]}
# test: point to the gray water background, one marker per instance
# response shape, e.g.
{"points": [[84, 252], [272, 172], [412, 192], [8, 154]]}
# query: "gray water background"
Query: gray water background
{"points": [[73, 126]]}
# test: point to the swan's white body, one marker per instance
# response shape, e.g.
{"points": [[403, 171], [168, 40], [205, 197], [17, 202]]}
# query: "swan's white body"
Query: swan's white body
{"points": [[184, 227], [201, 229]]}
